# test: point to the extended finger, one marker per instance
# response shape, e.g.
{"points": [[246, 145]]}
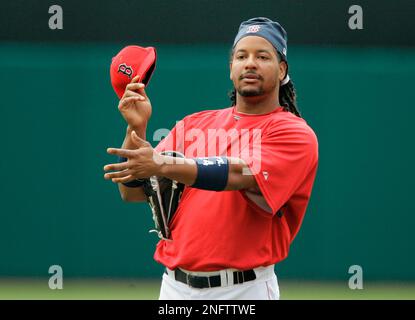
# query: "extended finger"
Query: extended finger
{"points": [[116, 166], [123, 180], [118, 174], [126, 153]]}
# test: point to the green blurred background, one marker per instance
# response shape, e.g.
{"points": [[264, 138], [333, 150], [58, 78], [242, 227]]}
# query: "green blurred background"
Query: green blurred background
{"points": [[59, 114]]}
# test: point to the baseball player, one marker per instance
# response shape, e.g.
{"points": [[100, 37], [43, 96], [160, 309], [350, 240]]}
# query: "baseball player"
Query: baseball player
{"points": [[248, 173]]}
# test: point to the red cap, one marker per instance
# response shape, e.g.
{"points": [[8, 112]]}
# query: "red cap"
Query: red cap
{"points": [[132, 61]]}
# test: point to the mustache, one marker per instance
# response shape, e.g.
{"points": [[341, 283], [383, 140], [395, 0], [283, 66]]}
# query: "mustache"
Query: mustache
{"points": [[253, 73]]}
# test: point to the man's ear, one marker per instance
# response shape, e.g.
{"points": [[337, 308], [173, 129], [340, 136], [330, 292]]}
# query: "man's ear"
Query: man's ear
{"points": [[283, 70], [230, 71]]}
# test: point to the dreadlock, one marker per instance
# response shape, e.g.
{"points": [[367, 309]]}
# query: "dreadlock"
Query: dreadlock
{"points": [[287, 94], [288, 98]]}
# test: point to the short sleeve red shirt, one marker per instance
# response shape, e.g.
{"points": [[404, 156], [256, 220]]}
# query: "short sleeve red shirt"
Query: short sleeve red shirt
{"points": [[241, 229]]}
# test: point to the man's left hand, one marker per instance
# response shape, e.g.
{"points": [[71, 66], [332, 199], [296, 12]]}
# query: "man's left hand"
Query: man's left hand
{"points": [[143, 162]]}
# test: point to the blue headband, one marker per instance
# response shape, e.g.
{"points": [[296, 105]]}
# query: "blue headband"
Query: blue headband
{"points": [[267, 29]]}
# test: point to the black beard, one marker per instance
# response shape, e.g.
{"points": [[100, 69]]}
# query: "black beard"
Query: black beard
{"points": [[251, 93]]}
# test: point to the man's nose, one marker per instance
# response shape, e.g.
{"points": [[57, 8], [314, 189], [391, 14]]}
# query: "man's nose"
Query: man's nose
{"points": [[250, 62]]}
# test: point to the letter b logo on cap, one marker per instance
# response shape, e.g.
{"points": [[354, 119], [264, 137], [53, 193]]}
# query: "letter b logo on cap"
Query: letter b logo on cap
{"points": [[130, 62], [127, 70]]}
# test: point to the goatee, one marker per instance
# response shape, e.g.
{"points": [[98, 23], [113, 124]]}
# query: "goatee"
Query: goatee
{"points": [[251, 93]]}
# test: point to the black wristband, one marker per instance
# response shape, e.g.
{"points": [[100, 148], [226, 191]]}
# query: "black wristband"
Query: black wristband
{"points": [[136, 183], [212, 173]]}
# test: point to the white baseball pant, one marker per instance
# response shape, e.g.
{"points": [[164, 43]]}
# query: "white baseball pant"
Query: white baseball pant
{"points": [[264, 287]]}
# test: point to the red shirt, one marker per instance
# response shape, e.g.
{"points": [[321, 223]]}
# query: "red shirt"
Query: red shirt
{"points": [[240, 229]]}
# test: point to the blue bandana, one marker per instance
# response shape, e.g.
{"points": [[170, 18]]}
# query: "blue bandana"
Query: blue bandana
{"points": [[267, 29]]}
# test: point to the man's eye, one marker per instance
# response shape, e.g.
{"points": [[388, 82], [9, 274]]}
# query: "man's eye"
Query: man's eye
{"points": [[263, 57], [239, 57]]}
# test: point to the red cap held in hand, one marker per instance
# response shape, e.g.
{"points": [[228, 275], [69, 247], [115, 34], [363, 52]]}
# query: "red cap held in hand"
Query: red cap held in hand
{"points": [[132, 61]]}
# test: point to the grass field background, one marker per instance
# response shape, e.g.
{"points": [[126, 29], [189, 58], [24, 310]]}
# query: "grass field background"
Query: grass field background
{"points": [[133, 289]]}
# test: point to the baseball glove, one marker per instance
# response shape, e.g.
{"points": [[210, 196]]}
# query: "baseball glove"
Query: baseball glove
{"points": [[163, 196]]}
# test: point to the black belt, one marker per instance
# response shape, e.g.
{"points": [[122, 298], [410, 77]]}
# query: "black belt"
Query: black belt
{"points": [[212, 281]]}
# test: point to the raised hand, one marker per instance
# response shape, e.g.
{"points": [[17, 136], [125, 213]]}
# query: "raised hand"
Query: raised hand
{"points": [[135, 106]]}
